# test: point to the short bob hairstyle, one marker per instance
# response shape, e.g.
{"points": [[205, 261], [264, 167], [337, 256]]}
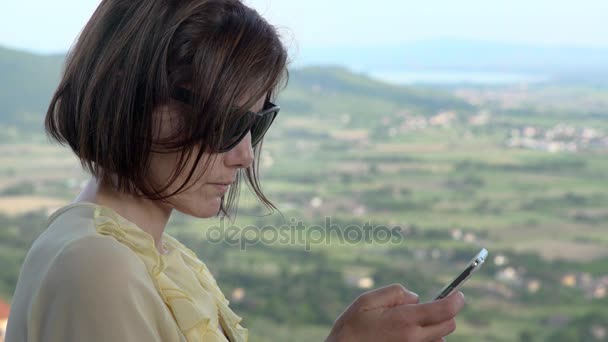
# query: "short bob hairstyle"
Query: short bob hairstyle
{"points": [[129, 58]]}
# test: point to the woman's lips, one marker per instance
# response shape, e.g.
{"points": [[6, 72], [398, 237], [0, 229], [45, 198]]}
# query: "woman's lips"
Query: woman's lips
{"points": [[220, 187]]}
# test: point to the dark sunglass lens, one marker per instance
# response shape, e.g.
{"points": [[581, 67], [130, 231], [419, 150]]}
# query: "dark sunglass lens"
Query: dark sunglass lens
{"points": [[256, 123], [261, 125], [235, 132]]}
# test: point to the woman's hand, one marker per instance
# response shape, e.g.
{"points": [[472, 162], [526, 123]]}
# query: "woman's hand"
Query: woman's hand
{"points": [[392, 313]]}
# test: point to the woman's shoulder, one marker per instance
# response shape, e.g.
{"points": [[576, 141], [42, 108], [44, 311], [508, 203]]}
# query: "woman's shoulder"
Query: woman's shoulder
{"points": [[96, 264], [70, 260], [75, 277], [72, 247]]}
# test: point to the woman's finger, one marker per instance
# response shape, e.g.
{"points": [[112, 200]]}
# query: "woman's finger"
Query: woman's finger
{"points": [[441, 310], [434, 312], [387, 296], [438, 331], [440, 340]]}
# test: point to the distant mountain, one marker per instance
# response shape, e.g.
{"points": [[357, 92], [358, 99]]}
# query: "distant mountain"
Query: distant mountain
{"points": [[454, 54], [344, 84], [27, 82]]}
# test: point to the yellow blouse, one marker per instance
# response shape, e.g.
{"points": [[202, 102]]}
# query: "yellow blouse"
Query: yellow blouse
{"points": [[92, 275]]}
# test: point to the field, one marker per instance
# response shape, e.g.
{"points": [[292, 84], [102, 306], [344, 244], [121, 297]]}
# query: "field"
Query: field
{"points": [[511, 169]]}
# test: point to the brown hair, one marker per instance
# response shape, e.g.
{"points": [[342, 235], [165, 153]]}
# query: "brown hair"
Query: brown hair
{"points": [[126, 62]]}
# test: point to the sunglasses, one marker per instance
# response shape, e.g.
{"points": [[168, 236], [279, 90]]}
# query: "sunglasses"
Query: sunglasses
{"points": [[256, 123]]}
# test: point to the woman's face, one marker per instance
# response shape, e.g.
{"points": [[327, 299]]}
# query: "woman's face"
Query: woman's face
{"points": [[204, 197]]}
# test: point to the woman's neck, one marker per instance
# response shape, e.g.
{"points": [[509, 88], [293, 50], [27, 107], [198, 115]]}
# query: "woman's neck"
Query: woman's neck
{"points": [[151, 216]]}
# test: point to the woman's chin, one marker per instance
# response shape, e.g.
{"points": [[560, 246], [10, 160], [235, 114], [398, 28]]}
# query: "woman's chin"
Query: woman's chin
{"points": [[209, 208]]}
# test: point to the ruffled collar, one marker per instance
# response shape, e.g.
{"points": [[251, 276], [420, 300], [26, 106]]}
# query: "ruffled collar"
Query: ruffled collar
{"points": [[194, 320]]}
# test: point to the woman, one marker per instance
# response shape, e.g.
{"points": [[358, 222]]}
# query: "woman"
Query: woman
{"points": [[165, 103]]}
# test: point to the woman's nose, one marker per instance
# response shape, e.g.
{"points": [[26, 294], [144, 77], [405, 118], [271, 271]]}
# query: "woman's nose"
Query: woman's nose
{"points": [[241, 155]]}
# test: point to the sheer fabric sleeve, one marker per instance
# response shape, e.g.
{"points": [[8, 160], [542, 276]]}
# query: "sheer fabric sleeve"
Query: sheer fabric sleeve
{"points": [[95, 290]]}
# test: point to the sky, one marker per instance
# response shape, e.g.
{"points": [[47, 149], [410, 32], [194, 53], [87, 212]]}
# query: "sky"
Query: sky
{"points": [[51, 26]]}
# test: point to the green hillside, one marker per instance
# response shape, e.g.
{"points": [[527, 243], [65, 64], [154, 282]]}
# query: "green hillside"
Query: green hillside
{"points": [[337, 81], [26, 85], [518, 169], [28, 81]]}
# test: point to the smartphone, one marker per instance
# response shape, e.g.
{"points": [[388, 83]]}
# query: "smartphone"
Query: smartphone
{"points": [[471, 267]]}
